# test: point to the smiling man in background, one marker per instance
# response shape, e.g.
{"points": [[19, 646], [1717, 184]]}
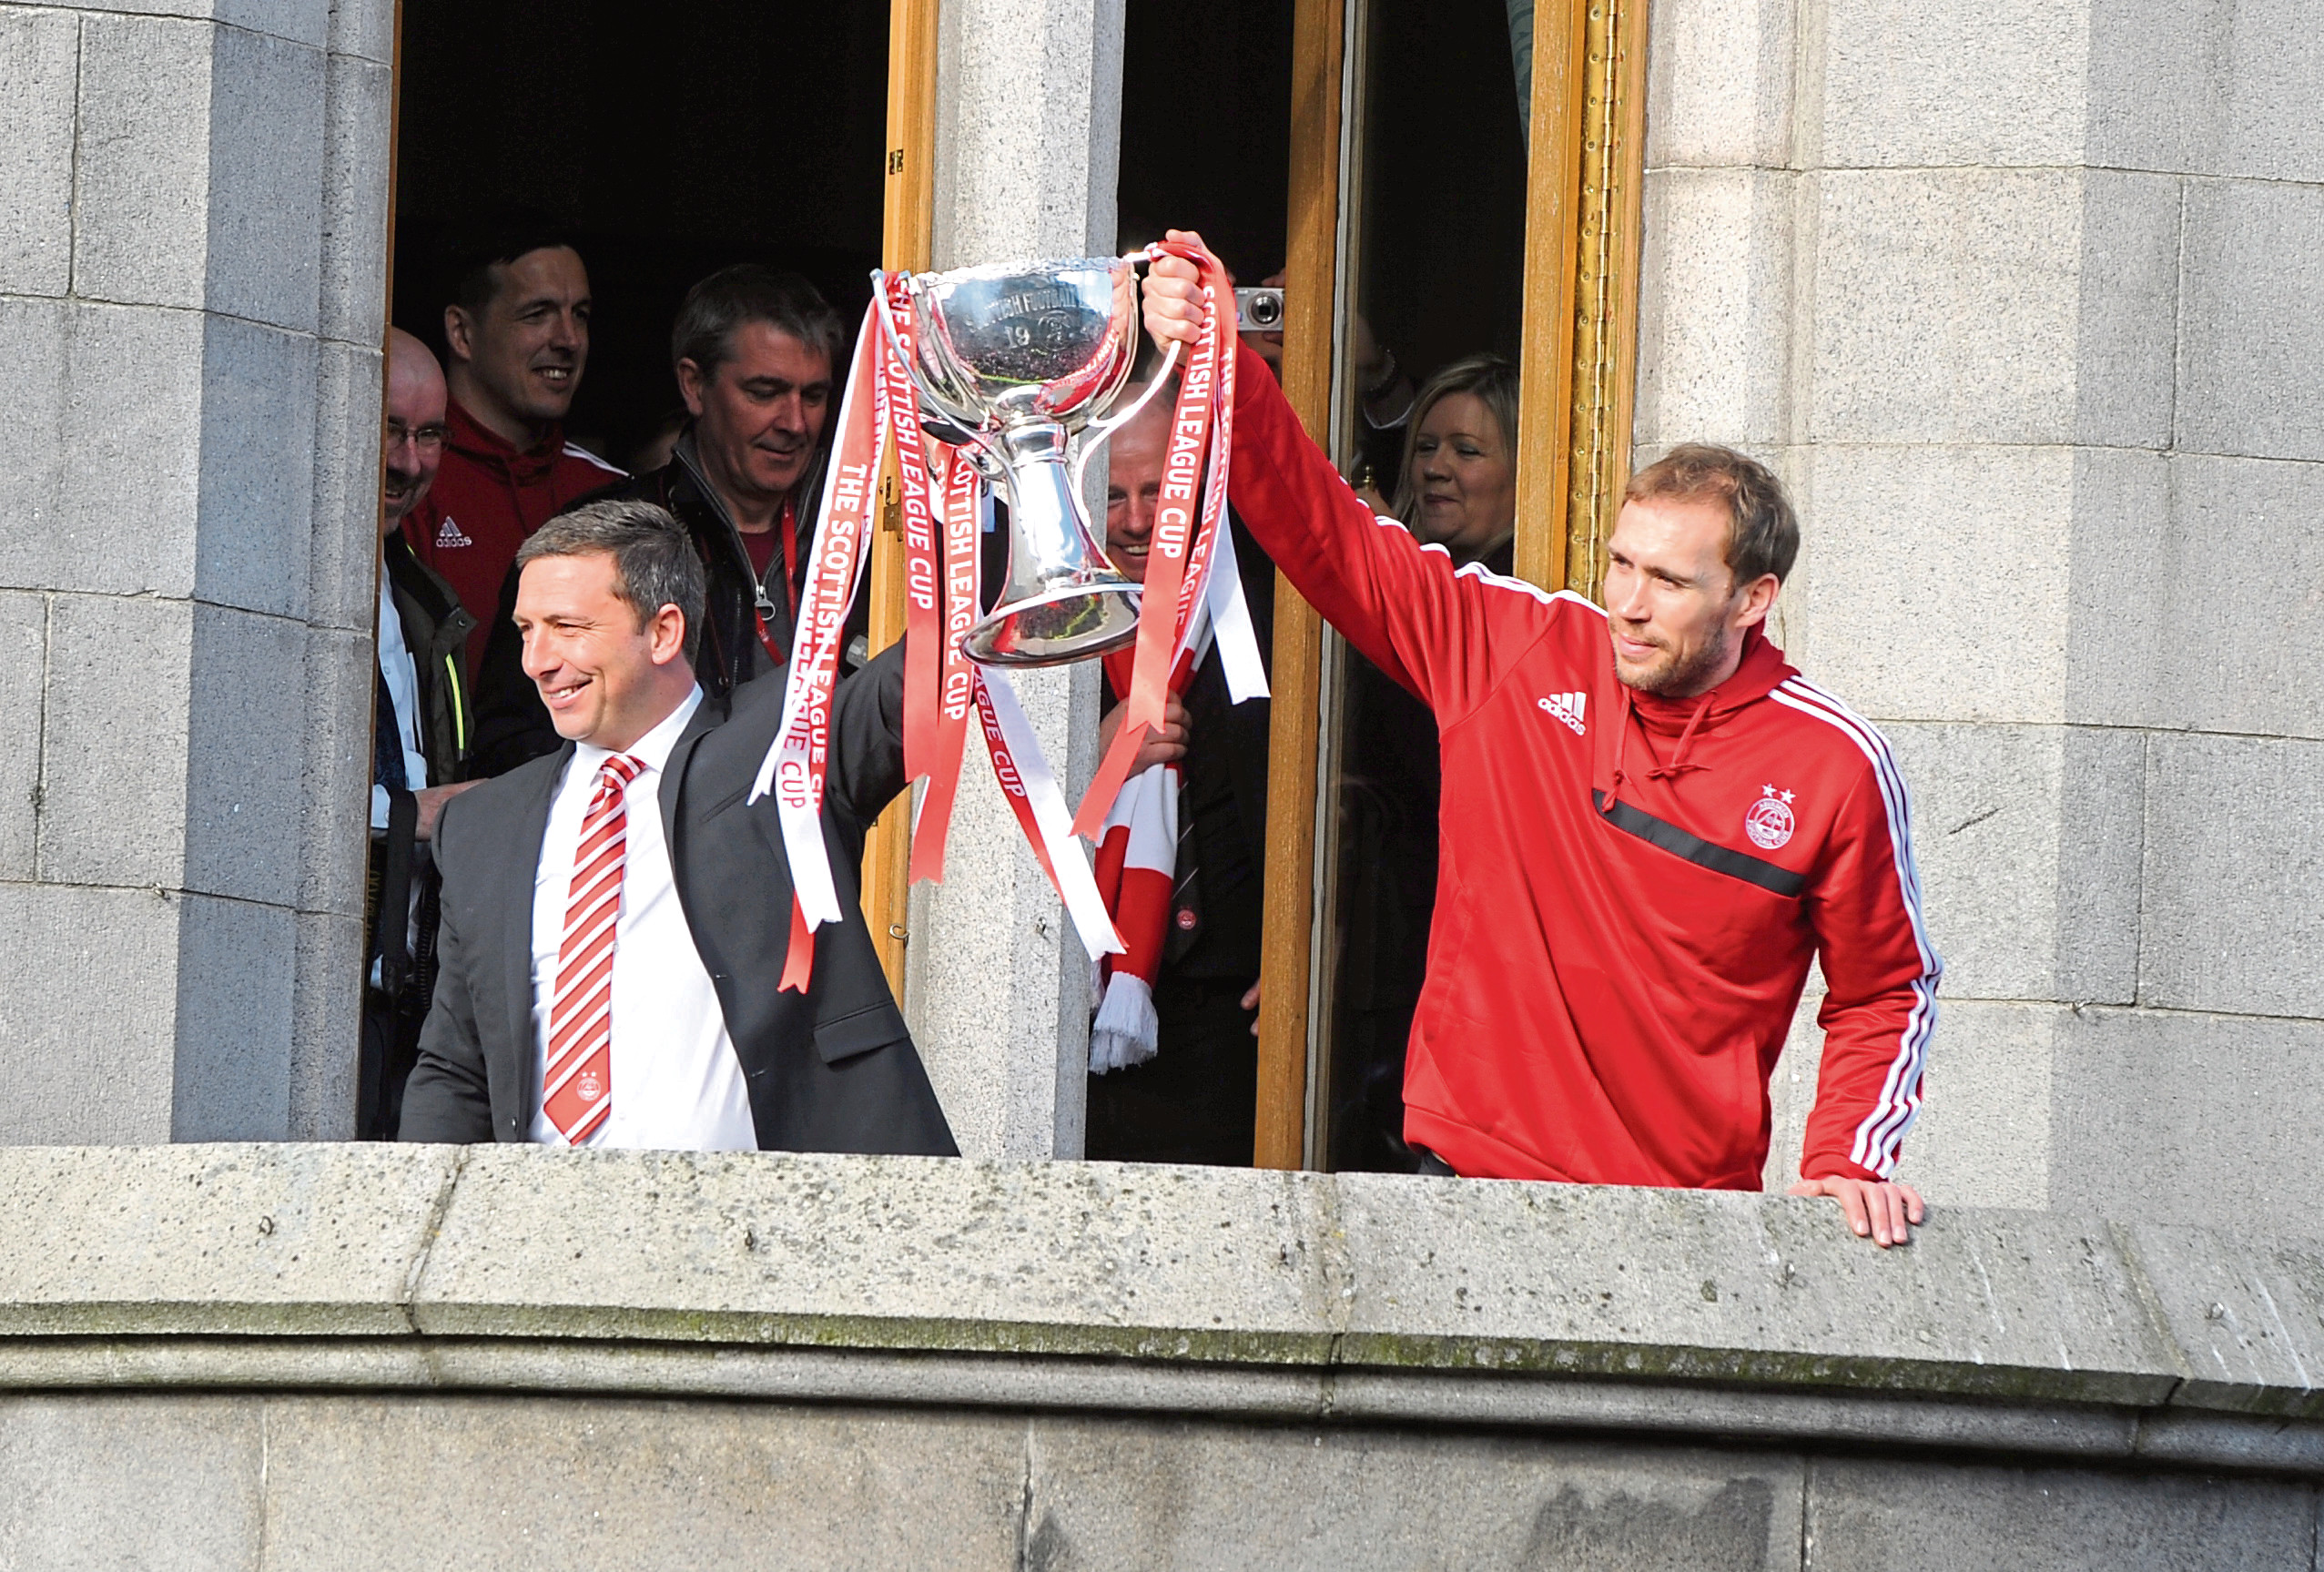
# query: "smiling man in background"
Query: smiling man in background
{"points": [[516, 333], [753, 350]]}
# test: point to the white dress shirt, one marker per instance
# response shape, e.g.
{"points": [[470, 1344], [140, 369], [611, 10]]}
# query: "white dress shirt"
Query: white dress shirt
{"points": [[402, 675], [677, 1085]]}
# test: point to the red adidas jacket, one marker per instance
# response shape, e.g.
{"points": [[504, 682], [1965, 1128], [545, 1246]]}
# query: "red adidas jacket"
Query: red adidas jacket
{"points": [[1629, 888], [487, 498]]}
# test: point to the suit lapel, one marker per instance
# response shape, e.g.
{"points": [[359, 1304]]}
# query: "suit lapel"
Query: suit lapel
{"points": [[704, 720]]}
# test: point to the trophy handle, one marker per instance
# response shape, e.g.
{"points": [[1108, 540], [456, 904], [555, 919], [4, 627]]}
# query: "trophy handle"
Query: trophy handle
{"points": [[1097, 432]]}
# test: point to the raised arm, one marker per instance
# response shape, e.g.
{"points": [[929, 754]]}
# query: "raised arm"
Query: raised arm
{"points": [[1447, 633]]}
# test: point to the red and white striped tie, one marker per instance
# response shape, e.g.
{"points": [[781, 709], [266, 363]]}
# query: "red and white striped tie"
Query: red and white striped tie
{"points": [[578, 1091]]}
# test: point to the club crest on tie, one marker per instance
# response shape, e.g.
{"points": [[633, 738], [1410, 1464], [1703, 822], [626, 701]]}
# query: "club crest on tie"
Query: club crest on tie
{"points": [[1769, 821], [589, 1086]]}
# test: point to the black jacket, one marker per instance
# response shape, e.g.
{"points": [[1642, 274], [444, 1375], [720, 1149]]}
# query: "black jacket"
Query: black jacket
{"points": [[515, 726], [435, 629], [832, 1069]]}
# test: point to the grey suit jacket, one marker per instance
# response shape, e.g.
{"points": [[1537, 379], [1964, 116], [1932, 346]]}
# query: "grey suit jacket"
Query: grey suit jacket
{"points": [[831, 1070]]}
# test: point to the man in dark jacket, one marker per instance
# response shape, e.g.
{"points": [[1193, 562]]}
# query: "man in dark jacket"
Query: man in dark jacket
{"points": [[754, 352], [421, 736], [616, 914], [1197, 1100]]}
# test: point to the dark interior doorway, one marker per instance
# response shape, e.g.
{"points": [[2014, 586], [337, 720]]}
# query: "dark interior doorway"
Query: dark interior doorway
{"points": [[1206, 127], [670, 139]]}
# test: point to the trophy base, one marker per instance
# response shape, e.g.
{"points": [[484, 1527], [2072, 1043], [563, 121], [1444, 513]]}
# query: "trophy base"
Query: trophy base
{"points": [[1059, 628]]}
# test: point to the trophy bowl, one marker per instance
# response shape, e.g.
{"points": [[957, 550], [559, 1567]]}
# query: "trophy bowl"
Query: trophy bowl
{"points": [[1021, 356]]}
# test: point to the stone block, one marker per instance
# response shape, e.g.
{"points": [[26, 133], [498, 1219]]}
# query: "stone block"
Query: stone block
{"points": [[359, 108], [325, 1026], [266, 183], [998, 983], [762, 1247], [2209, 89], [88, 984], [247, 741], [99, 465], [2236, 654], [2125, 359], [336, 784], [1722, 1286], [141, 203], [2187, 1118], [115, 750], [1991, 306], [39, 57], [1937, 580], [343, 552], [35, 339], [364, 29], [2245, 1318], [257, 461], [173, 1484], [1950, 1517], [1716, 307], [236, 964], [2120, 629], [2253, 325], [2028, 842], [1952, 83], [300, 21], [525, 1483], [1720, 84], [121, 511], [24, 672], [2234, 909], [192, 1239], [1984, 1135], [1106, 1493]]}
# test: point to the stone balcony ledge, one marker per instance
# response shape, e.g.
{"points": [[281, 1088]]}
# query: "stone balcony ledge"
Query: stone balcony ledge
{"points": [[1324, 1298]]}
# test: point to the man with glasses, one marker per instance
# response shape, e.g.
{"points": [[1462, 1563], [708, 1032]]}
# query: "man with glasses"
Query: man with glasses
{"points": [[421, 722]]}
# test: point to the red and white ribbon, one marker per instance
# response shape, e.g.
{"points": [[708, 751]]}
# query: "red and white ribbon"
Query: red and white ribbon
{"points": [[797, 763], [1025, 780], [1189, 520]]}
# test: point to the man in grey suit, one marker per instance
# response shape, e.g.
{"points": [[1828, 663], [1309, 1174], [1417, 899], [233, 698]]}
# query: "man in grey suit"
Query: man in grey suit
{"points": [[615, 914]]}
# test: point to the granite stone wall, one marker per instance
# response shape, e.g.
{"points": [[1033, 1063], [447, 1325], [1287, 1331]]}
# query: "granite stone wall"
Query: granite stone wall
{"points": [[2028, 302], [192, 243]]}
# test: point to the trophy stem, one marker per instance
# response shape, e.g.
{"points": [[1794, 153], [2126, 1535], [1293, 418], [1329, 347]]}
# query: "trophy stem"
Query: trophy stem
{"points": [[1063, 600]]}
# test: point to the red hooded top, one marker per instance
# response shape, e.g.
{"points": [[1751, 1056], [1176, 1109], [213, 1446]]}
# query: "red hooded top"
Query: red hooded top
{"points": [[487, 498], [1630, 888]]}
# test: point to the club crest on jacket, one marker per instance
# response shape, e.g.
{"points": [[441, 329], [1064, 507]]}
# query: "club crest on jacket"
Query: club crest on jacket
{"points": [[1769, 822]]}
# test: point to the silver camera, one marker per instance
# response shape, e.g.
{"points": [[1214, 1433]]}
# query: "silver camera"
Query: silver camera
{"points": [[1258, 310]]}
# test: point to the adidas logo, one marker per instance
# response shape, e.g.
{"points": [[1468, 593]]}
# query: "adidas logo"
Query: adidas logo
{"points": [[1568, 708], [449, 535]]}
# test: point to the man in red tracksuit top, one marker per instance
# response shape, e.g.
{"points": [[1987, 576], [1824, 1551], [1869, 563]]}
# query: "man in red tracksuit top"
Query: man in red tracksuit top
{"points": [[517, 336], [1650, 824]]}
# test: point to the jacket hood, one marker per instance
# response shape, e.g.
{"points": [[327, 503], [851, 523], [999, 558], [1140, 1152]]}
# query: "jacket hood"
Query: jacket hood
{"points": [[473, 441], [1673, 726]]}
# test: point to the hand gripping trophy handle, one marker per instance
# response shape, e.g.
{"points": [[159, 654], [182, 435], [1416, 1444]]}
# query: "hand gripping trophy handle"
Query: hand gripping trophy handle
{"points": [[1020, 359]]}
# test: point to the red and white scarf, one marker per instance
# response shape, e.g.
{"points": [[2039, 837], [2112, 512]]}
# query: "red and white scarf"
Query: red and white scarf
{"points": [[1137, 875]]}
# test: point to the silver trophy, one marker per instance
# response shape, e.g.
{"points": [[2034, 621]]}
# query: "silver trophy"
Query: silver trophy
{"points": [[1015, 360]]}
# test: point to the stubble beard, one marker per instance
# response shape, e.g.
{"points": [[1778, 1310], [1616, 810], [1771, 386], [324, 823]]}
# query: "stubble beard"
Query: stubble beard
{"points": [[1681, 678]]}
